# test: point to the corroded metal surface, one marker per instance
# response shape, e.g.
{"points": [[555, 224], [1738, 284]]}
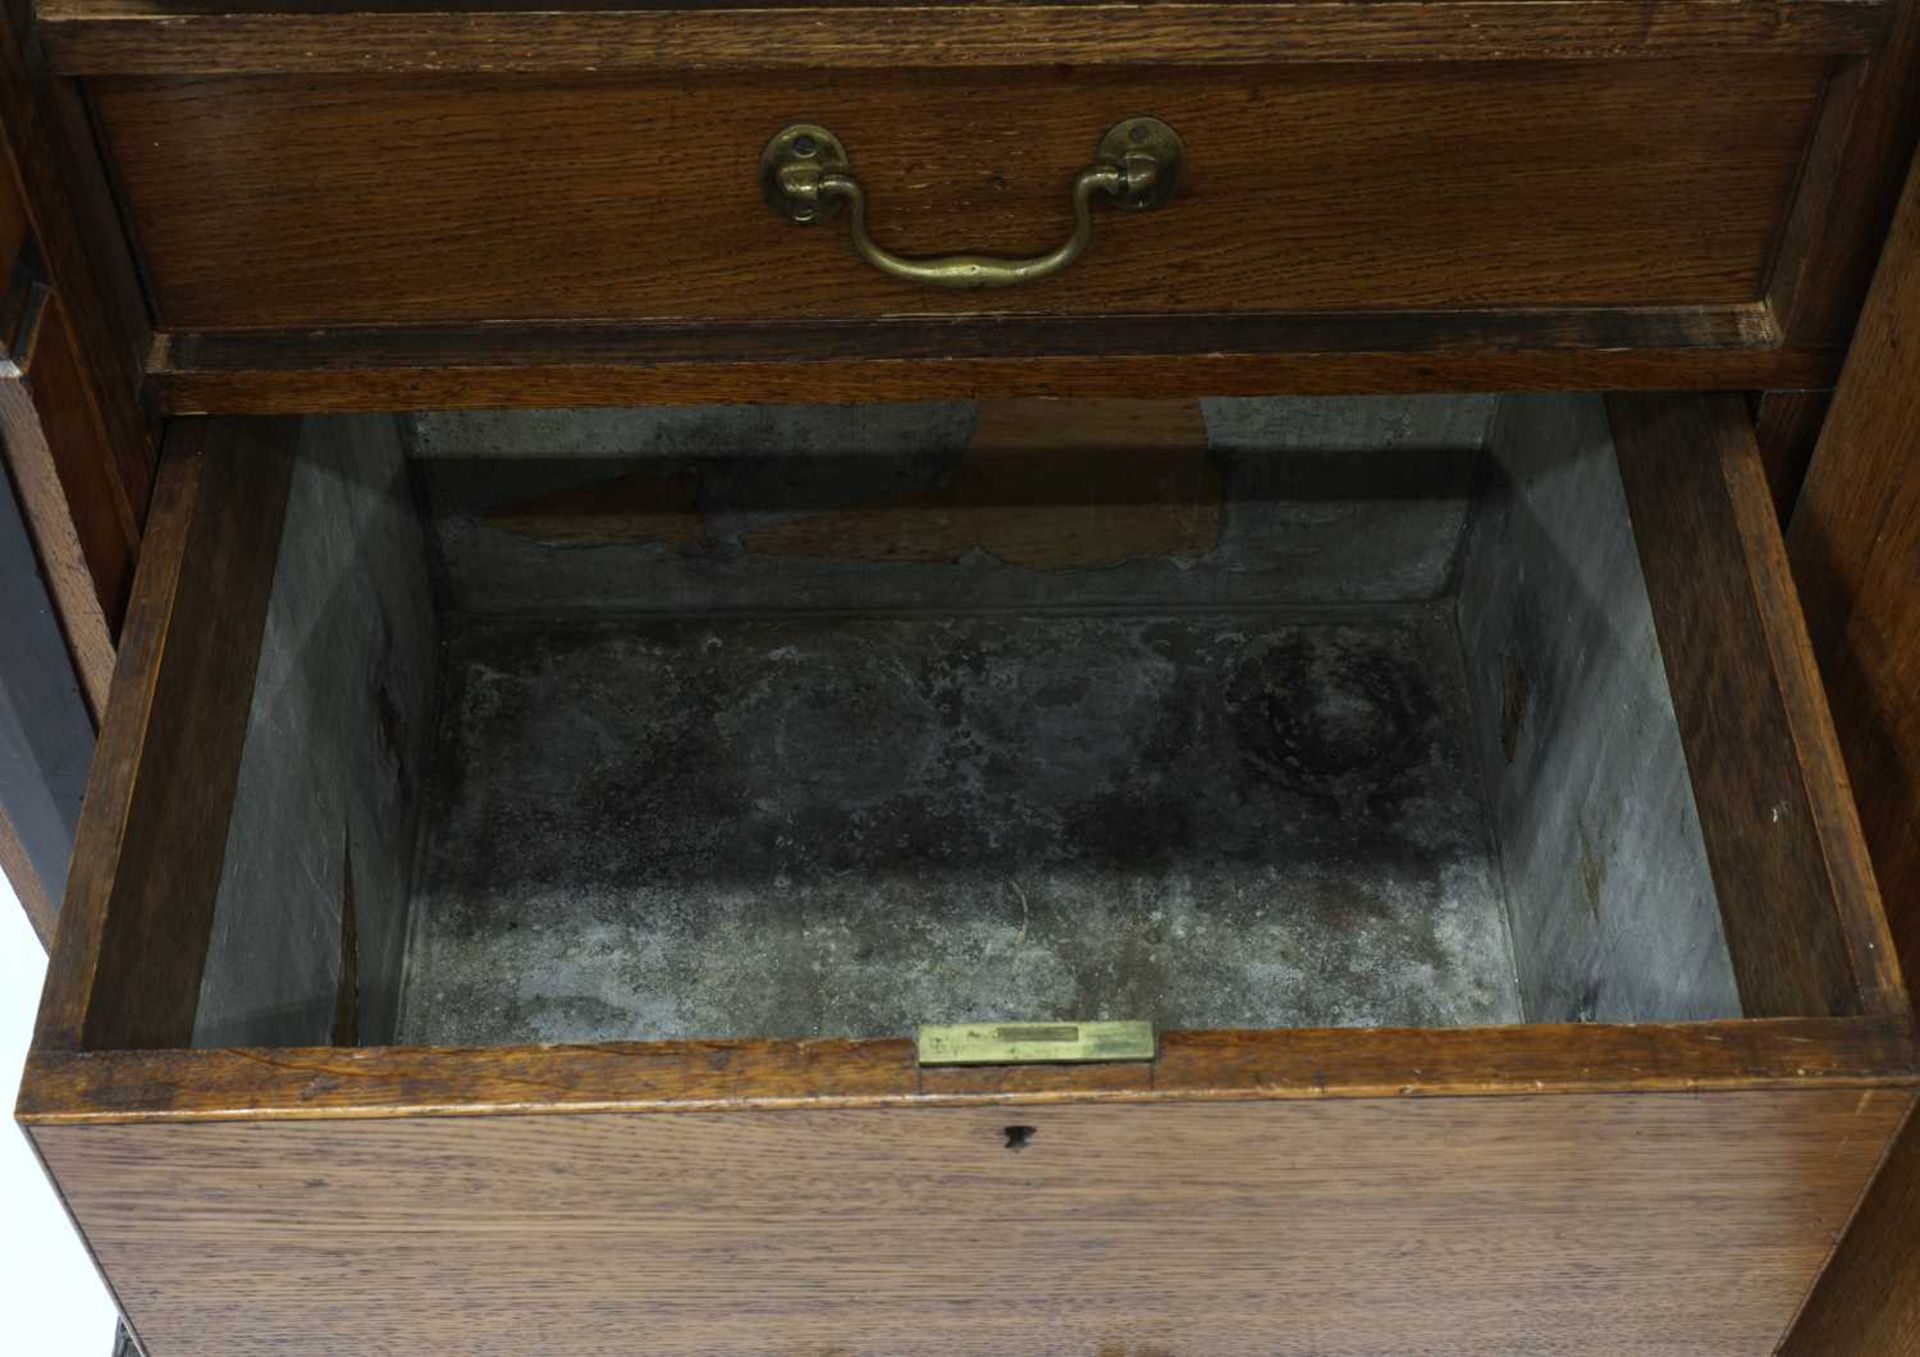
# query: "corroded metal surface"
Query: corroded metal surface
{"points": [[837, 824], [688, 510], [844, 720]]}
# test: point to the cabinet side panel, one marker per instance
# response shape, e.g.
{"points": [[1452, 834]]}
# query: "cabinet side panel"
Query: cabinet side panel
{"points": [[126, 962], [1682, 1225], [1855, 546]]}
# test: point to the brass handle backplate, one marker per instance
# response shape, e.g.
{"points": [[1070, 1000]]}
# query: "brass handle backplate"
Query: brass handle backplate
{"points": [[805, 177]]}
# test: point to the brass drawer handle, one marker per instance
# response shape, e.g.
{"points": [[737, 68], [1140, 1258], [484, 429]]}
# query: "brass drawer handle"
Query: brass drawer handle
{"points": [[804, 176]]}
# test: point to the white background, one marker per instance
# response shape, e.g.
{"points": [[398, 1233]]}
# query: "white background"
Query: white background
{"points": [[51, 1299]]}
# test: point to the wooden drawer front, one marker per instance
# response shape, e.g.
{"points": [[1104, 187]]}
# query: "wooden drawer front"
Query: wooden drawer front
{"points": [[300, 201], [1497, 1226]]}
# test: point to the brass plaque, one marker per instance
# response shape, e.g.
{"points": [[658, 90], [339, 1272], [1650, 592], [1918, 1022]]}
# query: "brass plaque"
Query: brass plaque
{"points": [[1035, 1043]]}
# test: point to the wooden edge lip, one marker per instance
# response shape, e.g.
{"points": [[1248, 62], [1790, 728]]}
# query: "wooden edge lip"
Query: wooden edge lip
{"points": [[105, 812], [543, 384], [1843, 938], [1874, 959], [508, 364], [1745, 327], [108, 1087], [95, 37]]}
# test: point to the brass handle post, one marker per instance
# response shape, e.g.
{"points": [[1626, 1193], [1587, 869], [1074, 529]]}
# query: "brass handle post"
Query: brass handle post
{"points": [[805, 177]]}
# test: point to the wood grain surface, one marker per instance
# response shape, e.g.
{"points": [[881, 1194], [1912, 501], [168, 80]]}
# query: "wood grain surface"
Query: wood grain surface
{"points": [[78, 1087], [85, 531], [1679, 1225], [207, 36], [301, 202], [40, 909], [125, 969], [1869, 124], [1798, 903], [503, 366], [50, 159], [1867, 1302], [1855, 544], [73, 334], [1786, 426]]}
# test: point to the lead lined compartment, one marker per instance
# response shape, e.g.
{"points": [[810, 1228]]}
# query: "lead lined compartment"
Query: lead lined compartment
{"points": [[824, 721]]}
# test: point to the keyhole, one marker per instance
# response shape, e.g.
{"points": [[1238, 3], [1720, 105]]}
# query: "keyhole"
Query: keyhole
{"points": [[1019, 1137]]}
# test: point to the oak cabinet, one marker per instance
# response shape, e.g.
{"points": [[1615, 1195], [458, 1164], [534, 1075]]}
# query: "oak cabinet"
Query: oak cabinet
{"points": [[546, 781]]}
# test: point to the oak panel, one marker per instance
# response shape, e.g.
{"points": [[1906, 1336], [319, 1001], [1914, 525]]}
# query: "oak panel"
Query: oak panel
{"points": [[1682, 1225], [305, 201], [1867, 1302], [1855, 543], [206, 36], [1542, 1059], [72, 327], [85, 531], [507, 366], [1869, 123], [50, 159]]}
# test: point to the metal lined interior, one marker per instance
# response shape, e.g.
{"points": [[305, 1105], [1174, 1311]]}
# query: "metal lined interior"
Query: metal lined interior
{"points": [[833, 721]]}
